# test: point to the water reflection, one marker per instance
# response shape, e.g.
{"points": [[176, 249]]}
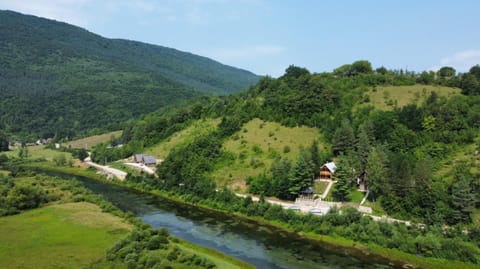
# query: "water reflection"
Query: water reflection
{"points": [[263, 246]]}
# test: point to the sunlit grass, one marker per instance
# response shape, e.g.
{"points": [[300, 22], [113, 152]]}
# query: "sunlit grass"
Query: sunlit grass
{"points": [[91, 141], [256, 146], [388, 97], [187, 135], [58, 236]]}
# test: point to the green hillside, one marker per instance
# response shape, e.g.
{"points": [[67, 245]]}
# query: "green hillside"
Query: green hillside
{"points": [[423, 144], [185, 136], [419, 160], [256, 146], [59, 79], [389, 97]]}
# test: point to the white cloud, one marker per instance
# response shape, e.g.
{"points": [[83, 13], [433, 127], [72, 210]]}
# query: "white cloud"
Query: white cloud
{"points": [[461, 61]]}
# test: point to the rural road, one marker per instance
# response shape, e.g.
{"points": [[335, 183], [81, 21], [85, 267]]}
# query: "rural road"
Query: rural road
{"points": [[109, 170]]}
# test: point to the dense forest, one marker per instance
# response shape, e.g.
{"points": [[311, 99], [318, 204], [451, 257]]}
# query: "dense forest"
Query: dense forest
{"points": [[58, 80], [402, 149], [410, 154]]}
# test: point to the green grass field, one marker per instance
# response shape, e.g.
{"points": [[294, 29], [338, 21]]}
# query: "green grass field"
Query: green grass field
{"points": [[355, 196], [39, 152], [388, 97], [200, 127], [71, 235], [91, 141], [221, 260], [319, 187], [257, 145]]}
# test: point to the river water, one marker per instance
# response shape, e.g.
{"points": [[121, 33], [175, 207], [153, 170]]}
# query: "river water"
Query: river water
{"points": [[263, 246]]}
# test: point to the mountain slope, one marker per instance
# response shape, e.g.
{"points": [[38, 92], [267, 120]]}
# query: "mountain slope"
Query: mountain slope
{"points": [[426, 146], [72, 80]]}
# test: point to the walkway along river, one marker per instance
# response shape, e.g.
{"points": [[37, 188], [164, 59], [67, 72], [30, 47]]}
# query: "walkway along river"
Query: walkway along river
{"points": [[263, 246]]}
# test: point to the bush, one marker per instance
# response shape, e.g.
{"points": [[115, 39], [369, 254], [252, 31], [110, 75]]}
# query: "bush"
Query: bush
{"points": [[156, 242]]}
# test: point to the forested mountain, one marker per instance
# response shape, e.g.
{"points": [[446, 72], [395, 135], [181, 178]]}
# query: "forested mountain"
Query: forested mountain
{"points": [[421, 157], [59, 79]]}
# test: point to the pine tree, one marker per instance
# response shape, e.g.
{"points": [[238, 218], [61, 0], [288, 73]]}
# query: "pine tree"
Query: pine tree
{"points": [[342, 176], [3, 143], [280, 170], [377, 172], [463, 200], [315, 157], [343, 138], [363, 147], [301, 177]]}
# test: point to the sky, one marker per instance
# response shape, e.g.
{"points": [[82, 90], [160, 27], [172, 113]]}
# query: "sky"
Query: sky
{"points": [[266, 36]]}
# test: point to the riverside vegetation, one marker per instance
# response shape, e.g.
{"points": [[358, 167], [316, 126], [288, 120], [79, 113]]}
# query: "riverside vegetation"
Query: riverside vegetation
{"points": [[411, 153], [415, 134], [75, 227]]}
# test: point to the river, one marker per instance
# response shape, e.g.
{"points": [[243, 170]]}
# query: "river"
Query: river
{"points": [[263, 246]]}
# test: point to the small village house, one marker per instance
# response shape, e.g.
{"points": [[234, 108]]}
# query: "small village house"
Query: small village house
{"points": [[327, 170], [144, 159]]}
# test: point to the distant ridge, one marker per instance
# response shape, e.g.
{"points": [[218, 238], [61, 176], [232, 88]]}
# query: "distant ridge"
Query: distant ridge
{"points": [[73, 80]]}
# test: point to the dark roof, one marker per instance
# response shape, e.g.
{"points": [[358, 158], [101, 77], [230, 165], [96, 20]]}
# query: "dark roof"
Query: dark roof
{"points": [[147, 159], [308, 190]]}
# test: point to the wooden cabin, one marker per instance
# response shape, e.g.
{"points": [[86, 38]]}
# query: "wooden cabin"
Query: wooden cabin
{"points": [[327, 170]]}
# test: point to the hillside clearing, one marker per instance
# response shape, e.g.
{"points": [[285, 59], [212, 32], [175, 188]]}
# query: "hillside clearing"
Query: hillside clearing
{"points": [[69, 235], [39, 152], [388, 97], [200, 127], [91, 141], [255, 147]]}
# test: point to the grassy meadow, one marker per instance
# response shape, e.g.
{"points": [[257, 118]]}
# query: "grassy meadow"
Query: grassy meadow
{"points": [[71, 235], [200, 127], [39, 152], [255, 147], [389, 97], [91, 141]]}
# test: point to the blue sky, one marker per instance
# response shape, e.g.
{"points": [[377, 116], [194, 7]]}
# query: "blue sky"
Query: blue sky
{"points": [[266, 36]]}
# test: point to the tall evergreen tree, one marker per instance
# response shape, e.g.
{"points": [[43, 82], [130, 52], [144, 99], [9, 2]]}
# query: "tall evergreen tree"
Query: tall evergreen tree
{"points": [[463, 201], [377, 172], [280, 170], [343, 139], [342, 176], [315, 157], [301, 177], [462, 196], [363, 147], [3, 143]]}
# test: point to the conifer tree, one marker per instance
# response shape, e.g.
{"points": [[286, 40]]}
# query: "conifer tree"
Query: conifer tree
{"points": [[342, 176], [301, 177]]}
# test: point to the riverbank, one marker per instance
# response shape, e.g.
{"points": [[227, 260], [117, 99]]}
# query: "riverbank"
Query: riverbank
{"points": [[363, 251], [75, 213]]}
